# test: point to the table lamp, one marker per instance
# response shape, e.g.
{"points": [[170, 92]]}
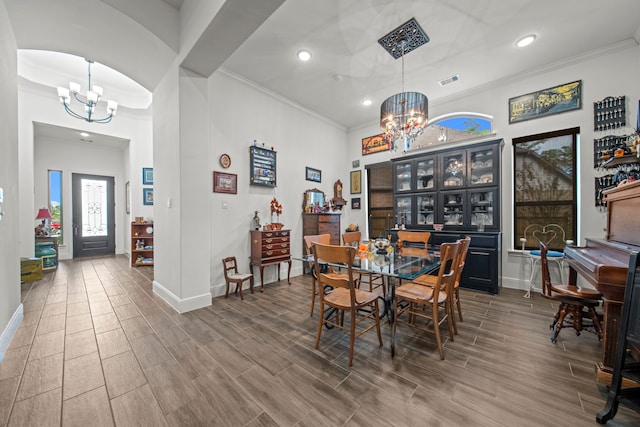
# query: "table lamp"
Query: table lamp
{"points": [[45, 216]]}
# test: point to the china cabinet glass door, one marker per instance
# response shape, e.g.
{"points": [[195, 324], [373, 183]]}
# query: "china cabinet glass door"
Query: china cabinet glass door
{"points": [[425, 204], [453, 170], [452, 205], [403, 208], [425, 174], [482, 207], [482, 166], [402, 177]]}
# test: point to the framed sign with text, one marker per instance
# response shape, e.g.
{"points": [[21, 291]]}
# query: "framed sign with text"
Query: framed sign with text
{"points": [[374, 144], [546, 102]]}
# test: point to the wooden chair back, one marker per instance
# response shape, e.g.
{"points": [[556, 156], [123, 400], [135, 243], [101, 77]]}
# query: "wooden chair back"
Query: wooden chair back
{"points": [[352, 238], [464, 248], [229, 265], [418, 238], [335, 255], [449, 260], [310, 239]]}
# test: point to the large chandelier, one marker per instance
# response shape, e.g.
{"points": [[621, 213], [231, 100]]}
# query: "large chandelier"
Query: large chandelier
{"points": [[90, 100], [403, 115]]}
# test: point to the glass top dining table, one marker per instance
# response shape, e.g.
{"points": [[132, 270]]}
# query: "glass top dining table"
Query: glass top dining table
{"points": [[407, 263]]}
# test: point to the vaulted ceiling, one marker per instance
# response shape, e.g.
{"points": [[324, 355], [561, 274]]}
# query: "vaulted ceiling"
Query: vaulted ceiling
{"points": [[473, 39]]}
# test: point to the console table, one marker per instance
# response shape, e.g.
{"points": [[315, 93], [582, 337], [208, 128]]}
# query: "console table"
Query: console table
{"points": [[270, 247]]}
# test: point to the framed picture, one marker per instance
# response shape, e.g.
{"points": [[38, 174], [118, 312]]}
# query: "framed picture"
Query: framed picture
{"points": [[313, 174], [263, 166], [127, 197], [355, 163], [147, 196], [225, 182], [355, 182], [355, 203], [147, 176], [546, 102], [375, 144]]}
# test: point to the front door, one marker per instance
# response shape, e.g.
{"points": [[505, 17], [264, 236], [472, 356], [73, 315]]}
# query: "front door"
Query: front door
{"points": [[93, 215]]}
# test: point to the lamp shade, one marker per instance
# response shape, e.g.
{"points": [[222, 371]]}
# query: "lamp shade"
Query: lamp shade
{"points": [[43, 213]]}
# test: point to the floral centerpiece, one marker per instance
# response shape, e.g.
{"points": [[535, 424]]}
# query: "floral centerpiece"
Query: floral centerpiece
{"points": [[276, 208]]}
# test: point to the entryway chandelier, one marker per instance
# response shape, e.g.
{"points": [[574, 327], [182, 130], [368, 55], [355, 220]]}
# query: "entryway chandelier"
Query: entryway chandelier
{"points": [[403, 115], [89, 101]]}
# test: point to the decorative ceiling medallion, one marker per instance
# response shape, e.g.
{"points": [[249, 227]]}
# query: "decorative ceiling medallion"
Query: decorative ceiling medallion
{"points": [[410, 32]]}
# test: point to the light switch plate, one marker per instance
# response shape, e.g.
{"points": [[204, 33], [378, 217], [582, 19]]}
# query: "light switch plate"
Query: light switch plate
{"points": [[225, 205], [1, 195]]}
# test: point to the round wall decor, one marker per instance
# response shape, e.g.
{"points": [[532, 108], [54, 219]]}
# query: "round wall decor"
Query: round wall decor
{"points": [[225, 161]]}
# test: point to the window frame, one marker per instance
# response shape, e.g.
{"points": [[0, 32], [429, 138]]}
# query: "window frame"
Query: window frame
{"points": [[50, 205], [571, 232]]}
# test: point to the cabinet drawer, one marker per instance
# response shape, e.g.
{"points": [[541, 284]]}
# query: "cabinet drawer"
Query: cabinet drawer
{"points": [[277, 245], [328, 228], [275, 253], [274, 240], [275, 233], [329, 218]]}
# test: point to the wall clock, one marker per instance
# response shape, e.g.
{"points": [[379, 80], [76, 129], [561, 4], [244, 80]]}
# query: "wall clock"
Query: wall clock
{"points": [[225, 161]]}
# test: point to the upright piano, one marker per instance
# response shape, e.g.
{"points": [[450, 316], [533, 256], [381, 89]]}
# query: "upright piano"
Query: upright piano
{"points": [[604, 264]]}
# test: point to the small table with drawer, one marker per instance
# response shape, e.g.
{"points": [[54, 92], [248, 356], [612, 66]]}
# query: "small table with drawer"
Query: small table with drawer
{"points": [[270, 247]]}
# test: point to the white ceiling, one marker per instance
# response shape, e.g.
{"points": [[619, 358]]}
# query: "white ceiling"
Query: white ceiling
{"points": [[471, 38]]}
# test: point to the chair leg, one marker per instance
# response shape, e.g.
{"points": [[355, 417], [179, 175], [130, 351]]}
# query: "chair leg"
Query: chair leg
{"points": [[563, 314], [377, 317], [448, 309], [239, 288], [226, 292], [313, 294], [457, 297], [436, 329], [320, 324], [352, 340], [596, 322], [251, 284], [452, 313]]}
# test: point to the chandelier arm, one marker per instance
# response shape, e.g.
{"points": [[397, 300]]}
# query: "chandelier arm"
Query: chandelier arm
{"points": [[106, 119]]}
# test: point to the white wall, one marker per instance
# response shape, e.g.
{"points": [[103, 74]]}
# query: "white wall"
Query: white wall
{"points": [[240, 113], [10, 306], [40, 104], [611, 73], [84, 158]]}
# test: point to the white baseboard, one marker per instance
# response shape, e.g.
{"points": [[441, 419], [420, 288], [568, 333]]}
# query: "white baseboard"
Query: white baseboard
{"points": [[181, 305], [10, 330]]}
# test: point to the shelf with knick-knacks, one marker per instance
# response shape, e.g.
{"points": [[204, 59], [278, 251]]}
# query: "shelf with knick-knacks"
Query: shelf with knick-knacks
{"points": [[142, 244]]}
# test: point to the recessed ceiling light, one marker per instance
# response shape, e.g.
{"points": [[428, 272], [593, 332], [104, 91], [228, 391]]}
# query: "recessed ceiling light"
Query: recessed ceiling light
{"points": [[304, 55], [526, 40], [366, 102], [84, 134]]}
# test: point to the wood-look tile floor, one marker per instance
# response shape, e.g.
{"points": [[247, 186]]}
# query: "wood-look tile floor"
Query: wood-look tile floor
{"points": [[97, 347]]}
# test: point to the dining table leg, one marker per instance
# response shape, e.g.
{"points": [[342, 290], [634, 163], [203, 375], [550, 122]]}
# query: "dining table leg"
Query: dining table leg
{"points": [[388, 311]]}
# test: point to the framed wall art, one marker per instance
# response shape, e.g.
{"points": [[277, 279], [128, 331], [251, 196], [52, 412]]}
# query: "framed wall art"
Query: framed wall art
{"points": [[546, 102], [263, 167], [147, 176], [147, 196], [375, 144], [355, 203], [312, 174], [355, 182], [225, 183]]}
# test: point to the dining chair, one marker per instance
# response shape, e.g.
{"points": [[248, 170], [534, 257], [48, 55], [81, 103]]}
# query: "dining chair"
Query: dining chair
{"points": [[412, 243], [375, 281], [575, 302], [344, 296], [553, 236], [431, 280], [309, 240], [412, 298], [231, 275]]}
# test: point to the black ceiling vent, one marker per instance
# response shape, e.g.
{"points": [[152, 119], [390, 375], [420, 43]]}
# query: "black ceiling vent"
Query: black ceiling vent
{"points": [[404, 39]]}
